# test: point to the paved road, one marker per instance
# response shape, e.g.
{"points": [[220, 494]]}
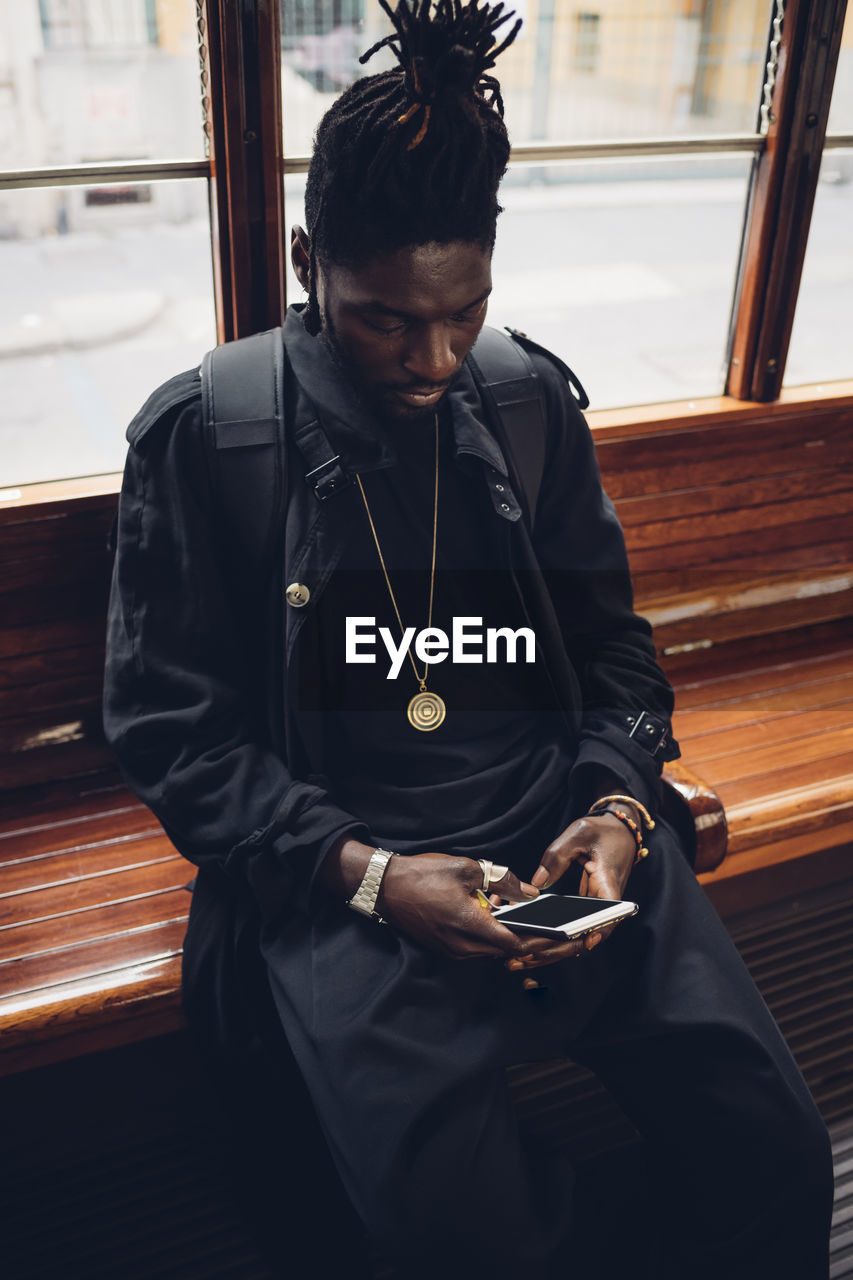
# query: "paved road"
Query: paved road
{"points": [[631, 283]]}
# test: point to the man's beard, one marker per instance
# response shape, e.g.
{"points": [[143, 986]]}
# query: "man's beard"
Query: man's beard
{"points": [[389, 414]]}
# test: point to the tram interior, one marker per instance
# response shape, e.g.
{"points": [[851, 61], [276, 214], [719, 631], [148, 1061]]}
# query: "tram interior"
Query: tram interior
{"points": [[677, 227]]}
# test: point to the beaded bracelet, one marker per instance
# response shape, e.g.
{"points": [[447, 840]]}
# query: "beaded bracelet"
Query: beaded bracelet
{"points": [[604, 801], [642, 851]]}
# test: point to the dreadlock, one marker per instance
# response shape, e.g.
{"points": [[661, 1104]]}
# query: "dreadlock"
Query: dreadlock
{"points": [[416, 154]]}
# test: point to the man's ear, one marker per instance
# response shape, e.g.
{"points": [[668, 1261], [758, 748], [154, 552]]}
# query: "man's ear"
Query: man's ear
{"points": [[300, 256]]}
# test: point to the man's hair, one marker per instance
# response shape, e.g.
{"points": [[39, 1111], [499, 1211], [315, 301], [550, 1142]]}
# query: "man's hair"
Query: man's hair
{"points": [[414, 155]]}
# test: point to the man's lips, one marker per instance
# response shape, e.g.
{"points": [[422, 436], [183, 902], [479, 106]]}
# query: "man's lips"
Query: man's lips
{"points": [[419, 396]]}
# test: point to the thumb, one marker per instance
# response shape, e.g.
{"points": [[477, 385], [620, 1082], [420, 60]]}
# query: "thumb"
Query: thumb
{"points": [[510, 887]]}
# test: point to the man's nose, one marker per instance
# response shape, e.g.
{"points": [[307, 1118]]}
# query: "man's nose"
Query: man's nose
{"points": [[430, 357]]}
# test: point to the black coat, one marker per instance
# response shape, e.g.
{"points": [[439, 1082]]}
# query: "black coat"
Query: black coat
{"points": [[196, 700]]}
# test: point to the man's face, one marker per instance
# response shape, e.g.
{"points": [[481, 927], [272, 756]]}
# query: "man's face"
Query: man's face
{"points": [[403, 323]]}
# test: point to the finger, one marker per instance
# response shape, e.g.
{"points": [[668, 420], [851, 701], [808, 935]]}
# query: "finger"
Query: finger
{"points": [[502, 938], [574, 842], [510, 887], [550, 955], [530, 984]]}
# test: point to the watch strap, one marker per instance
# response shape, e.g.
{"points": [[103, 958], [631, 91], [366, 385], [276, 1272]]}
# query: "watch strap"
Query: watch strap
{"points": [[364, 898]]}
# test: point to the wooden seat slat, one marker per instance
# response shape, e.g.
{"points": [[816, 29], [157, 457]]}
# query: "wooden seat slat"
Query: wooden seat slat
{"points": [[700, 673], [769, 444], [810, 806], [54, 934], [687, 528], [88, 754], [811, 675], [744, 623], [76, 833], [86, 862], [29, 668], [52, 636], [62, 801], [83, 895], [104, 956], [772, 782], [739, 500], [724, 732], [766, 705], [91, 1013], [764, 551], [52, 695], [757, 763], [784, 842]]}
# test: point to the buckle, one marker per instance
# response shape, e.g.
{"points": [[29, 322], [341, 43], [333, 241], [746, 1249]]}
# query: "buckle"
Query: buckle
{"points": [[328, 478], [648, 732]]}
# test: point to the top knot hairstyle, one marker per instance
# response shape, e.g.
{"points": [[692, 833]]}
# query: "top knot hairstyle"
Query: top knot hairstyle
{"points": [[416, 154]]}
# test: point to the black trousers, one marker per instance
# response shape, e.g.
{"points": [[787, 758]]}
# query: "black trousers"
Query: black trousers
{"points": [[405, 1053]]}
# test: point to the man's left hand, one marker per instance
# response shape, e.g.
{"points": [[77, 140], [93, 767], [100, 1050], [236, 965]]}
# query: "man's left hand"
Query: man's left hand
{"points": [[606, 851]]}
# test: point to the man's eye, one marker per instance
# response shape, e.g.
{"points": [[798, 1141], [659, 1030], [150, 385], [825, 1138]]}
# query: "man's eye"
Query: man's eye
{"points": [[388, 329], [471, 316]]}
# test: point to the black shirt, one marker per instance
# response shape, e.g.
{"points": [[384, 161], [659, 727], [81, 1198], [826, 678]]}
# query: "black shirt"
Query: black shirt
{"points": [[491, 780]]}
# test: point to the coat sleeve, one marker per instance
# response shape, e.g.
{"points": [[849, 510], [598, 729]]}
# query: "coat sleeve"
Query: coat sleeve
{"points": [[178, 707], [581, 548]]}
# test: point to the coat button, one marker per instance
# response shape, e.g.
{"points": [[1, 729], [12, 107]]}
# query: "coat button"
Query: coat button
{"points": [[297, 594]]}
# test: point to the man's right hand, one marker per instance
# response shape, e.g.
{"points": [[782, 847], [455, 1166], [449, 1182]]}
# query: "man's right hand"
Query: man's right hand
{"points": [[432, 897]]}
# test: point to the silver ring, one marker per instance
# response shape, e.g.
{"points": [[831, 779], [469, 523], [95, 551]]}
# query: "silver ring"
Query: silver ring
{"points": [[493, 873]]}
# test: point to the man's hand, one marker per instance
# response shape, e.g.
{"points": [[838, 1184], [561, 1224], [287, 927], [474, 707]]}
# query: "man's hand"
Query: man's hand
{"points": [[432, 897], [607, 851]]}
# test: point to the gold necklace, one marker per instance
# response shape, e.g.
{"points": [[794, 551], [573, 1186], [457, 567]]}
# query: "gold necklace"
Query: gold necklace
{"points": [[425, 710]]}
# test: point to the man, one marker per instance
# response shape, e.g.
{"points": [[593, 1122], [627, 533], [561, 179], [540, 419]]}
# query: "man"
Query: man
{"points": [[353, 747]]}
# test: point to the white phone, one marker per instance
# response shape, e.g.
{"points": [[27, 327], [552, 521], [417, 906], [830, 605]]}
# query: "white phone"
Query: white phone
{"points": [[558, 915]]}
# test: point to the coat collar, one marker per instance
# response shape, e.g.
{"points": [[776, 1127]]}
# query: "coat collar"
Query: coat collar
{"points": [[362, 443]]}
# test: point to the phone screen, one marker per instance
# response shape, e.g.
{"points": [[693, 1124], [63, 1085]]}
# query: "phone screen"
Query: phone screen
{"points": [[555, 910]]}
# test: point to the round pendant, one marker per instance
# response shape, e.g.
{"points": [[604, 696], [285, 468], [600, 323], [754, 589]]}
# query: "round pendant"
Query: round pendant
{"points": [[426, 711]]}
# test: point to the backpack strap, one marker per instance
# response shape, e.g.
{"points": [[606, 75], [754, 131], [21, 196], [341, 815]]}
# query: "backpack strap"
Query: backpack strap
{"points": [[512, 393], [242, 387]]}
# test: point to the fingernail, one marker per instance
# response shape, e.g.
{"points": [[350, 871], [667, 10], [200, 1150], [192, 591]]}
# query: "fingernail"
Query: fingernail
{"points": [[529, 890], [513, 964], [540, 877], [530, 984]]}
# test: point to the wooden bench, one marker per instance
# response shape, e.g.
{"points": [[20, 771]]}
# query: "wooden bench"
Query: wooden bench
{"points": [[748, 582], [741, 544]]}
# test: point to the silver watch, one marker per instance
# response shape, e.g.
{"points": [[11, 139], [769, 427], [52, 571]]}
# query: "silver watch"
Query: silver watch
{"points": [[364, 898]]}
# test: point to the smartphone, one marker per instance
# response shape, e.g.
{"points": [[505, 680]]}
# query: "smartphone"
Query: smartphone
{"points": [[557, 915]]}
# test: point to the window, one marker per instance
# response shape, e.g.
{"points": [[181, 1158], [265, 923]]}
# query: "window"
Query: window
{"points": [[625, 265], [637, 139], [87, 24], [107, 282]]}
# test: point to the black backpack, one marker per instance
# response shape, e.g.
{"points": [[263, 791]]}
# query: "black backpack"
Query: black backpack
{"points": [[243, 403]]}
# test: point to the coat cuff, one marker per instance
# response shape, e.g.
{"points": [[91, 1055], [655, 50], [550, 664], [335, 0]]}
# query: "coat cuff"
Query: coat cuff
{"points": [[606, 743], [280, 861]]}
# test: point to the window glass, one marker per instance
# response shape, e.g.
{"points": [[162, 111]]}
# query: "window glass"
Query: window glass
{"points": [[822, 337], [107, 292], [624, 69], [841, 107], [83, 81], [624, 268]]}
